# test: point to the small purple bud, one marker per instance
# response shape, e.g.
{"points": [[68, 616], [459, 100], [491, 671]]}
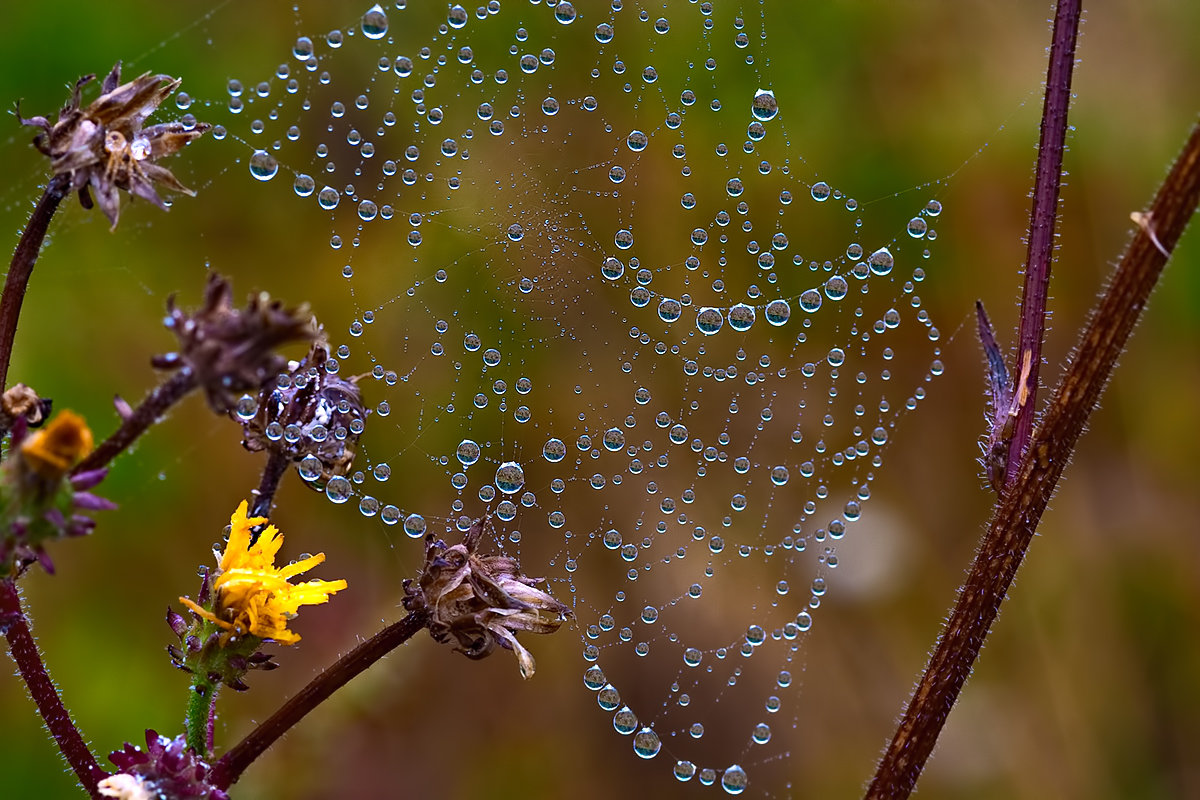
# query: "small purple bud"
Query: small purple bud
{"points": [[177, 622], [86, 480], [90, 502]]}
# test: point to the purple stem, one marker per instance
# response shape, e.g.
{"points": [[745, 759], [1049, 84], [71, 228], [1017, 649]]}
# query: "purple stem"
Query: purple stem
{"points": [[231, 765], [24, 257], [29, 661], [1042, 221]]}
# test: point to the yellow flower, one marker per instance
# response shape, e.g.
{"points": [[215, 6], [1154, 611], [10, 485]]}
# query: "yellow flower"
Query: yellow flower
{"points": [[53, 451], [254, 597]]}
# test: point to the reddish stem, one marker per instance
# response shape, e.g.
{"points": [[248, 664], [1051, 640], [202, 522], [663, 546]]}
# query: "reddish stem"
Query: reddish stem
{"points": [[1042, 219], [29, 661], [1025, 498], [24, 257], [231, 766]]}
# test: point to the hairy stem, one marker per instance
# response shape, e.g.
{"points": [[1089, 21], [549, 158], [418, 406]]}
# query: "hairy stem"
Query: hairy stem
{"points": [[24, 257], [1042, 219], [1025, 498], [197, 724], [273, 472], [41, 688], [150, 411], [231, 766]]}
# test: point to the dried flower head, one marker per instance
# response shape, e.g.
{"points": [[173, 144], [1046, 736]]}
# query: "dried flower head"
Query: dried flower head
{"points": [[166, 768], [232, 350], [21, 402], [38, 502], [481, 601], [105, 146], [247, 600], [311, 414]]}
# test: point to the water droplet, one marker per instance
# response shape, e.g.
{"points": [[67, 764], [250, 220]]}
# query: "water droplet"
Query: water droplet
{"points": [[778, 312], [328, 198], [338, 489], [625, 721], [565, 13], [741, 317], [646, 743], [510, 477], [709, 320], [821, 191], [881, 261], [414, 526], [263, 165], [637, 141], [375, 23], [734, 780], [467, 452], [765, 106]]}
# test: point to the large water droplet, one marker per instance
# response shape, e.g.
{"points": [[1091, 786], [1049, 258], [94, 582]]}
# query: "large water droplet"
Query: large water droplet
{"points": [[734, 780], [375, 23], [510, 477], [765, 106], [263, 165], [646, 743]]}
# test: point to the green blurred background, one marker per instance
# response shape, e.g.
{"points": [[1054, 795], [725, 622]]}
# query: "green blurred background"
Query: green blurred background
{"points": [[1089, 685]]}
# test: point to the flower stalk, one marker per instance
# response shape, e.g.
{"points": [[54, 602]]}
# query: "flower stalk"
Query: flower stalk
{"points": [[41, 688], [1031, 485]]}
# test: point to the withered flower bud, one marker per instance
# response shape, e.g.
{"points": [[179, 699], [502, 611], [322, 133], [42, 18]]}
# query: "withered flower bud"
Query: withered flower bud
{"points": [[230, 350], [481, 601], [310, 415], [163, 768], [105, 146], [21, 402]]}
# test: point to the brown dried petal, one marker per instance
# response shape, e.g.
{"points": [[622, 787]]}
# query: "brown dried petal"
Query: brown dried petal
{"points": [[481, 601]]}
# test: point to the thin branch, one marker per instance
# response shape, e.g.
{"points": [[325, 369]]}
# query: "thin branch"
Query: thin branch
{"points": [[1024, 500], [273, 472], [41, 688], [231, 766], [150, 411], [24, 257], [1042, 219]]}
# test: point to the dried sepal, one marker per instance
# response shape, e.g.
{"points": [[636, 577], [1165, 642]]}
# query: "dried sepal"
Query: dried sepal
{"points": [[479, 601], [105, 149], [232, 350]]}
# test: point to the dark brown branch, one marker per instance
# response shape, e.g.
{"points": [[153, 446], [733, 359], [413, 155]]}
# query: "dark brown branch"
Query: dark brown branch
{"points": [[1042, 219], [231, 766], [1024, 499], [29, 661], [150, 411], [24, 257]]}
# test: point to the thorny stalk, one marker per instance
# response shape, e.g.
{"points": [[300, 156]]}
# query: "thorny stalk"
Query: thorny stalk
{"points": [[230, 766], [150, 411], [41, 688], [1026, 496], [24, 257]]}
